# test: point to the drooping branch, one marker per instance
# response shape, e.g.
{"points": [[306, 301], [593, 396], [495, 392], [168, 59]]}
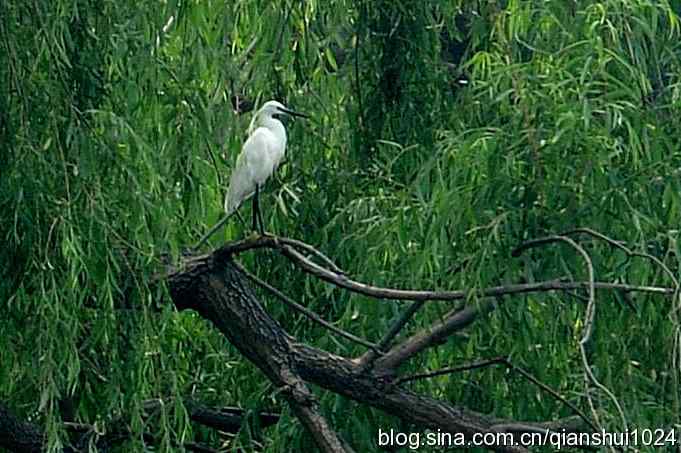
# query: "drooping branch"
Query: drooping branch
{"points": [[619, 245], [589, 376], [370, 356]]}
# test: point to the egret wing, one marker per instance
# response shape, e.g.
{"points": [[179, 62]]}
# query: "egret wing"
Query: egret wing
{"points": [[250, 169]]}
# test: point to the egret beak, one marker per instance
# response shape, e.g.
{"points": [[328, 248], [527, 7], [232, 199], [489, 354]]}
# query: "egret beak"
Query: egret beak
{"points": [[292, 113]]}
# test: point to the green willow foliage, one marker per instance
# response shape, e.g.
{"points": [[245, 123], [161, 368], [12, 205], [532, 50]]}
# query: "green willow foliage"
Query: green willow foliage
{"points": [[118, 132]]}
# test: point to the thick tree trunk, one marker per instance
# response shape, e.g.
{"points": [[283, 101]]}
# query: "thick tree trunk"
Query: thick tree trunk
{"points": [[214, 287]]}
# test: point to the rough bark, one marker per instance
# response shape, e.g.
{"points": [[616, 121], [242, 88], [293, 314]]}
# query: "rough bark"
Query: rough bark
{"points": [[213, 286]]}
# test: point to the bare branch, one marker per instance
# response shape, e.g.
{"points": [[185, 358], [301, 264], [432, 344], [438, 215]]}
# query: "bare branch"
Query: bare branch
{"points": [[309, 249], [591, 304], [211, 284], [367, 359], [434, 335], [549, 390], [628, 251], [211, 232], [218, 291], [399, 324], [376, 292], [308, 313], [452, 370], [325, 437], [589, 375], [506, 362], [225, 419], [677, 293]]}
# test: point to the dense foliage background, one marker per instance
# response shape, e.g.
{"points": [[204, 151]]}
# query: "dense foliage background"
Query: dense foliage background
{"points": [[443, 135]]}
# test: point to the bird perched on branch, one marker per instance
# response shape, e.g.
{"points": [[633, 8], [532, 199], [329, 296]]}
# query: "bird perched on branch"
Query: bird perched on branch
{"points": [[259, 158]]}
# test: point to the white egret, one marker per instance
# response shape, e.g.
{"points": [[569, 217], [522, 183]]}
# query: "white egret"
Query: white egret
{"points": [[259, 158]]}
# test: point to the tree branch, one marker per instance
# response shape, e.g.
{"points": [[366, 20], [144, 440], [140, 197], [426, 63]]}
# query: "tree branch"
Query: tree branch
{"points": [[435, 334], [218, 291], [370, 356], [589, 376], [307, 313], [214, 287], [376, 292]]}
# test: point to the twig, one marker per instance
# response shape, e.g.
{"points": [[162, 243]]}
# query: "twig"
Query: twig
{"points": [[501, 361], [390, 293], [591, 303], [368, 358], [549, 390], [399, 324], [452, 370], [588, 323], [376, 292], [211, 232], [628, 251], [307, 313], [676, 297], [309, 249], [435, 334]]}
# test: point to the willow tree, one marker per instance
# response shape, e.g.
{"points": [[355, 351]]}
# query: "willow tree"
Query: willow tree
{"points": [[496, 256]]}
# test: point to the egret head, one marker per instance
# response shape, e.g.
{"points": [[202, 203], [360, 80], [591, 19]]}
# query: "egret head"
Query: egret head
{"points": [[274, 109]]}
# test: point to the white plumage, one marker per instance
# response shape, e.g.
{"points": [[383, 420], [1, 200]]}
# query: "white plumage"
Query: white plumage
{"points": [[259, 158]]}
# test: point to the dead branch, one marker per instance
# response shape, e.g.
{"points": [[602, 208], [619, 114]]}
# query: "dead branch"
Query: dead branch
{"points": [[619, 245], [451, 370], [217, 288], [225, 419], [24, 437], [308, 313], [589, 376], [376, 292], [214, 287], [434, 335], [368, 358]]}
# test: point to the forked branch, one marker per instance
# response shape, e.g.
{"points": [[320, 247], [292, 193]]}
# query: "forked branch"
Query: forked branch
{"points": [[216, 287]]}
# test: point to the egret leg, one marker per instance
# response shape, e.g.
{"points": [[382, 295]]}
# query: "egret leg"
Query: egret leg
{"points": [[260, 221], [258, 224], [255, 209]]}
